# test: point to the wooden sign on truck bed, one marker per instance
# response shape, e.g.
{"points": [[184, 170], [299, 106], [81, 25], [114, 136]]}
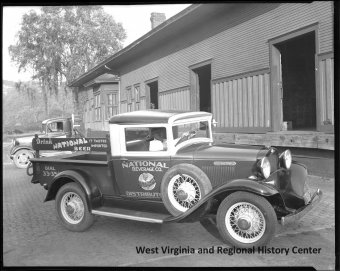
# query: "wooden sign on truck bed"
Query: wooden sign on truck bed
{"points": [[71, 144]]}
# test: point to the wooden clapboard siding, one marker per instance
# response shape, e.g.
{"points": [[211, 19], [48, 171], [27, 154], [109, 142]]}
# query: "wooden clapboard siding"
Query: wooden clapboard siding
{"points": [[236, 42], [177, 99], [242, 100], [326, 89], [142, 103]]}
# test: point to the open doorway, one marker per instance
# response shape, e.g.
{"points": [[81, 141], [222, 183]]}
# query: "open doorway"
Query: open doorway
{"points": [[296, 80], [201, 82], [153, 90]]}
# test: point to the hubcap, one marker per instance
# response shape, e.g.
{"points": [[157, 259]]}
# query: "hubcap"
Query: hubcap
{"points": [[183, 192], [245, 222], [181, 195], [72, 207], [23, 158]]}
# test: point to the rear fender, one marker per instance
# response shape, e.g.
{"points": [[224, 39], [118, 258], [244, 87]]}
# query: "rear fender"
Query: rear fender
{"points": [[224, 190], [91, 191]]}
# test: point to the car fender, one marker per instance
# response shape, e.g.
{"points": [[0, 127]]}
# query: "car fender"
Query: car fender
{"points": [[90, 189], [18, 148], [223, 190]]}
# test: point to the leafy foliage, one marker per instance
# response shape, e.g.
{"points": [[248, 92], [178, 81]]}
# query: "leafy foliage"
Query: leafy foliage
{"points": [[60, 43], [23, 106]]}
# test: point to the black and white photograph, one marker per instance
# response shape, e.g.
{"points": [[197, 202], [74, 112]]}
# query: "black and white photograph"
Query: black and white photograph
{"points": [[169, 135]]}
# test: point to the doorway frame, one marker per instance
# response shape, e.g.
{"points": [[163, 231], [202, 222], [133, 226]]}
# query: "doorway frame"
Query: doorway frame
{"points": [[276, 106], [194, 83], [147, 91]]}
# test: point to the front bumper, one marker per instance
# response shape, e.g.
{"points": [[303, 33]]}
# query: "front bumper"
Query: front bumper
{"points": [[299, 213]]}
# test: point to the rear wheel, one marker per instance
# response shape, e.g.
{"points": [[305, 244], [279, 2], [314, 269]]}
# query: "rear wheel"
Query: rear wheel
{"points": [[246, 220], [72, 208], [22, 158]]}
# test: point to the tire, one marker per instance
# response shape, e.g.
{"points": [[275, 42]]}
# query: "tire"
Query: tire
{"points": [[21, 158], [191, 183], [72, 208], [259, 220]]}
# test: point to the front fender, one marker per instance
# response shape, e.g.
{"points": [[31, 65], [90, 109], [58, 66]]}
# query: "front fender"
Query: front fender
{"points": [[14, 149], [222, 191], [92, 192]]}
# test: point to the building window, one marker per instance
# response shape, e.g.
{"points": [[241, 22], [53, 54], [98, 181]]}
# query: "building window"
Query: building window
{"points": [[86, 109], [97, 108], [91, 110], [112, 104], [137, 97], [129, 99]]}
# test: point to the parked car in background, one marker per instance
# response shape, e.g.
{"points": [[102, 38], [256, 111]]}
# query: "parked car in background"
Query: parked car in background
{"points": [[21, 151], [163, 167]]}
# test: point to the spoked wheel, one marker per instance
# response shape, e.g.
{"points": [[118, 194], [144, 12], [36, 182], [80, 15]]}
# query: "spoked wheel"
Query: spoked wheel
{"points": [[184, 192], [245, 220], [183, 186], [22, 158], [72, 208]]}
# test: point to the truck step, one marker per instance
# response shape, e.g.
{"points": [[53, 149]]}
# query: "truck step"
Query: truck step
{"points": [[131, 214]]}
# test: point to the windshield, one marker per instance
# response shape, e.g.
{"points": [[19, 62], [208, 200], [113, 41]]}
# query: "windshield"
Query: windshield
{"points": [[184, 132]]}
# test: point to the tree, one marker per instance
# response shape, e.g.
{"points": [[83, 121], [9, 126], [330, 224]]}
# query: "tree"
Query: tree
{"points": [[61, 43]]}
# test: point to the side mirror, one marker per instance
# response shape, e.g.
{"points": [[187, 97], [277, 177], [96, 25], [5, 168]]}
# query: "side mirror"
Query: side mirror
{"points": [[155, 145]]}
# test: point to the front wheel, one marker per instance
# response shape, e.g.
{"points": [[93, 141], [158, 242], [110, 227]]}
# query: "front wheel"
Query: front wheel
{"points": [[72, 208], [245, 220], [22, 158]]}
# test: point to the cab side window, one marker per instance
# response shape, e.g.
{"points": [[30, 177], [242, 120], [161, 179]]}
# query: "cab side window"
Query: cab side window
{"points": [[145, 139], [55, 127]]}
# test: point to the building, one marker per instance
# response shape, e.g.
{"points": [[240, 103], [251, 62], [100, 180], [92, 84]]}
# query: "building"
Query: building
{"points": [[265, 70], [99, 100]]}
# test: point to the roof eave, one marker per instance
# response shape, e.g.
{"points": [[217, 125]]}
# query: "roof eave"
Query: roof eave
{"points": [[101, 67]]}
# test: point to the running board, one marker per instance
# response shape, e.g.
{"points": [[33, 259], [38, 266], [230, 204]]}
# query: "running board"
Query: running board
{"points": [[131, 214]]}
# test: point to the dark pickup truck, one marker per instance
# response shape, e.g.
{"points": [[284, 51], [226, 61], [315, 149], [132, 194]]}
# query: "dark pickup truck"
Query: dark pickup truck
{"points": [[162, 166], [22, 151]]}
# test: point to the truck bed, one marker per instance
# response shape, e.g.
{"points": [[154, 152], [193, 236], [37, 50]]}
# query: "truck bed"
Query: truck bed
{"points": [[77, 157]]}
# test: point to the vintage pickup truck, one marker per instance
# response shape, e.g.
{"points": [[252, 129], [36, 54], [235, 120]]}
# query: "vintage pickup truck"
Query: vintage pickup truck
{"points": [[22, 151], [163, 167]]}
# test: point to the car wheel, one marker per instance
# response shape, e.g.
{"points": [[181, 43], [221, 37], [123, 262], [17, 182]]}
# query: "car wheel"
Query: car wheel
{"points": [[21, 158], [72, 208], [246, 220], [182, 187]]}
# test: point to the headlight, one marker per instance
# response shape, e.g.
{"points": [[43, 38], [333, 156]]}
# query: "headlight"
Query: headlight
{"points": [[286, 159], [14, 142], [265, 167]]}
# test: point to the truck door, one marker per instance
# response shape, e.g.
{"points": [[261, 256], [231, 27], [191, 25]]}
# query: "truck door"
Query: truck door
{"points": [[140, 169]]}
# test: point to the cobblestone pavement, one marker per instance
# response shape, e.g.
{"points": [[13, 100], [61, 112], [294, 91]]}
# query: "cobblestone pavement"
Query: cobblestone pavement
{"points": [[34, 237]]}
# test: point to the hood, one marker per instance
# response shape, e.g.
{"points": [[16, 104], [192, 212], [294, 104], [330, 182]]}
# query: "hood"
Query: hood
{"points": [[26, 140], [229, 152]]}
